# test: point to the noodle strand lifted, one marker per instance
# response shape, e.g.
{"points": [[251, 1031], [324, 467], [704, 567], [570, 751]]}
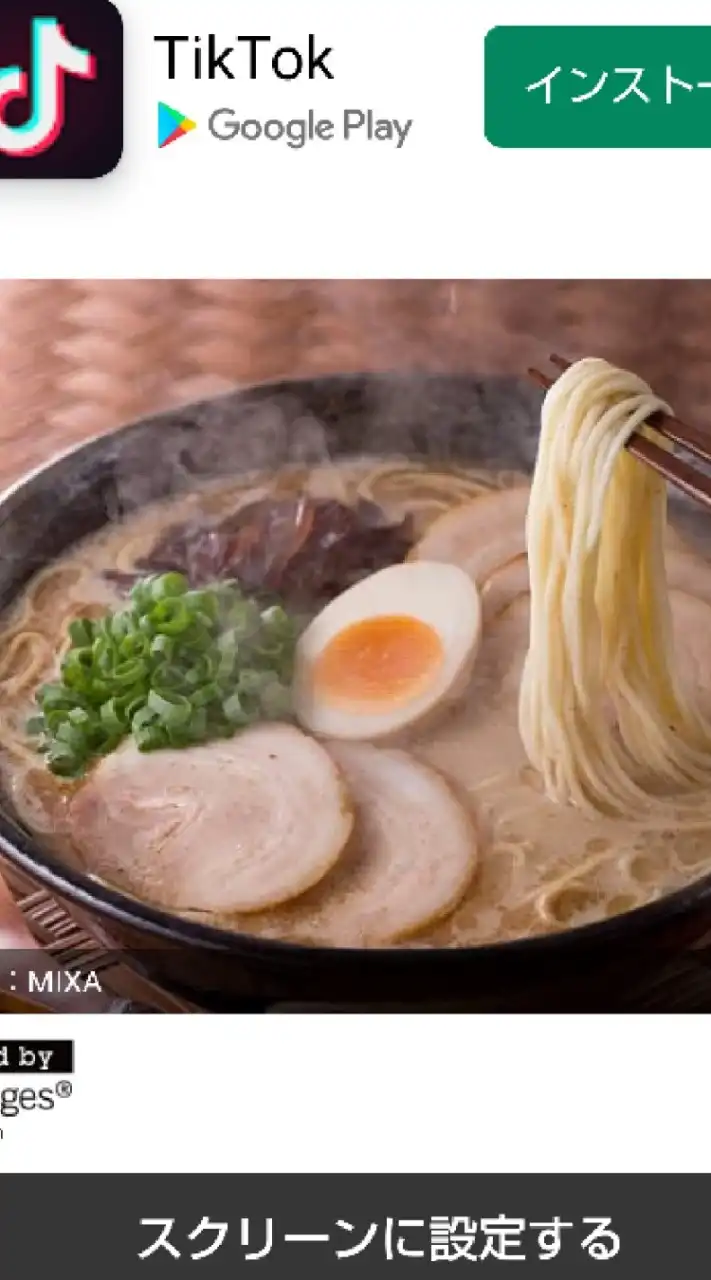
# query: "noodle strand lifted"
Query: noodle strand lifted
{"points": [[601, 714]]}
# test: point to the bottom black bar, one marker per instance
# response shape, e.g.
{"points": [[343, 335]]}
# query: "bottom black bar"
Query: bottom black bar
{"points": [[153, 1224]]}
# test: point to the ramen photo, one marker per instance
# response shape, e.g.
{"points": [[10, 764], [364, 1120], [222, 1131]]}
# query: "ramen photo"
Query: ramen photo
{"points": [[380, 702]]}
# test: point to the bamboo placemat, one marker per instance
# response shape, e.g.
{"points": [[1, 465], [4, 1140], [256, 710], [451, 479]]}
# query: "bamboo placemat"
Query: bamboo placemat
{"points": [[80, 357]]}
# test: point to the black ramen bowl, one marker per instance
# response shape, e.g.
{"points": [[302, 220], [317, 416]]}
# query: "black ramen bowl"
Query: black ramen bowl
{"points": [[653, 957]]}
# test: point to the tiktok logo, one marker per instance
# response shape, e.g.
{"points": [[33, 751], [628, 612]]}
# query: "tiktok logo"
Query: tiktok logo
{"points": [[53, 58], [61, 89]]}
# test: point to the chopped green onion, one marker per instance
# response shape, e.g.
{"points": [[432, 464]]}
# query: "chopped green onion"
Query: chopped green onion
{"points": [[81, 632], [175, 667], [151, 737], [276, 701], [112, 717], [234, 711], [170, 584], [171, 709]]}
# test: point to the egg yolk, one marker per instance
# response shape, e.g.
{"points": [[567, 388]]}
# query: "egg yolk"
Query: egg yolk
{"points": [[388, 659]]}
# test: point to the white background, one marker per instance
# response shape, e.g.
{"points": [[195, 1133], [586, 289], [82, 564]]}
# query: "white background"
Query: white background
{"points": [[371, 1094], [383, 1093]]}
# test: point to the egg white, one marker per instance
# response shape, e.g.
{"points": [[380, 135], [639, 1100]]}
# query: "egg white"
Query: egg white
{"points": [[442, 596]]}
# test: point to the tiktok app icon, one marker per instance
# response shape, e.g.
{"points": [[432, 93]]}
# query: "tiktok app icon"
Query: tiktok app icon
{"points": [[61, 88]]}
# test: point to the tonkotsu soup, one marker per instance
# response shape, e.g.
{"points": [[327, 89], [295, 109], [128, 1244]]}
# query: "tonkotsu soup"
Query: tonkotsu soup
{"points": [[369, 788]]}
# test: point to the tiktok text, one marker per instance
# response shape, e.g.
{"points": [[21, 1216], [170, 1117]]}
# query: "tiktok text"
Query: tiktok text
{"points": [[208, 58]]}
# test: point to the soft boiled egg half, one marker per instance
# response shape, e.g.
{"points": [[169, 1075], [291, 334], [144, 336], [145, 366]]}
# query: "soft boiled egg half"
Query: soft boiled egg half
{"points": [[388, 651]]}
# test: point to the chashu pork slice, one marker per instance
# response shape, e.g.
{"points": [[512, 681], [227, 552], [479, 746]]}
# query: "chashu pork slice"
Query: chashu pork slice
{"points": [[479, 536], [488, 534], [229, 826], [503, 587], [412, 856], [686, 572]]}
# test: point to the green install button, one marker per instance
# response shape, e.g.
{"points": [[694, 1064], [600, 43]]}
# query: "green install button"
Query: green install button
{"points": [[598, 86]]}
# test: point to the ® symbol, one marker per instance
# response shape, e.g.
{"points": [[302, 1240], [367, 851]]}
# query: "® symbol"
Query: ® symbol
{"points": [[53, 58]]}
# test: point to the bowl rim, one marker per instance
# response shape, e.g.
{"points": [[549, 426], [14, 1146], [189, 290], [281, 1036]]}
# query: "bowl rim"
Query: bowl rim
{"points": [[99, 898], [24, 850]]}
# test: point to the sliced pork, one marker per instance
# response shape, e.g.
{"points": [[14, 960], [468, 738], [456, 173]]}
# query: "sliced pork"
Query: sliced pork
{"points": [[231, 826]]}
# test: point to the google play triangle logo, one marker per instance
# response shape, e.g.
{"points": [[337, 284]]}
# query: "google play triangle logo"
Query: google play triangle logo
{"points": [[172, 125]]}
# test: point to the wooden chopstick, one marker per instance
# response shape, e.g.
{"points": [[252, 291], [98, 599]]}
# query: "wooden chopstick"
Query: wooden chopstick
{"points": [[690, 438], [678, 472]]}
